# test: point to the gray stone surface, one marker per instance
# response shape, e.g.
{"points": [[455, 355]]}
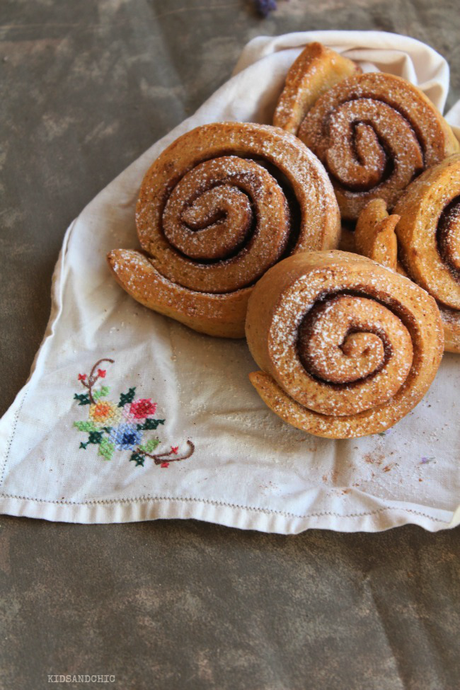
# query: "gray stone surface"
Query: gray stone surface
{"points": [[86, 87]]}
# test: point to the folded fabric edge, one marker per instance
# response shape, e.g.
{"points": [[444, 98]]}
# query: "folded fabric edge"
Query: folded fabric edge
{"points": [[343, 38], [248, 518], [261, 47], [10, 418]]}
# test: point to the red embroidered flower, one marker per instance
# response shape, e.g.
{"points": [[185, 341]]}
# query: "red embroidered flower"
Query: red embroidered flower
{"points": [[81, 377], [174, 449], [101, 373], [164, 464], [141, 409]]}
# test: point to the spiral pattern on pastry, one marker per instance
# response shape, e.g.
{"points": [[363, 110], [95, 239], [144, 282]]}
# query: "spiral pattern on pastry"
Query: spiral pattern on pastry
{"points": [[221, 205], [316, 70], [346, 347], [375, 133], [428, 233]]}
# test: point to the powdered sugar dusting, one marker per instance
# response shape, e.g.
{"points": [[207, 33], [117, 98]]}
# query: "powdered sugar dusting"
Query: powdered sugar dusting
{"points": [[324, 348]]}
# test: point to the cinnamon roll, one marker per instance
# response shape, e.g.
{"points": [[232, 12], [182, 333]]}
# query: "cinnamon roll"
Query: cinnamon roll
{"points": [[346, 347], [218, 208], [428, 233], [374, 133]]}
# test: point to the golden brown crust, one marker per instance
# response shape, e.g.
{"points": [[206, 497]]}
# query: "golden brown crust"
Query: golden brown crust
{"points": [[374, 133], [347, 347], [429, 239], [315, 71], [218, 315], [211, 221], [451, 322], [375, 235]]}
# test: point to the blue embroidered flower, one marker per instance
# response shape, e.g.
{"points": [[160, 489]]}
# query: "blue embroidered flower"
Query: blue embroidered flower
{"points": [[126, 436]]}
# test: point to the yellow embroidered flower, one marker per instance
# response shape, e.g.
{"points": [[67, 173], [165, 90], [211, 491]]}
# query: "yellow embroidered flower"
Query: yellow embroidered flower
{"points": [[104, 413]]}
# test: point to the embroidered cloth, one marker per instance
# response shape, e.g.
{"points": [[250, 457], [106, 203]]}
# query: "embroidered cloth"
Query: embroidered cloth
{"points": [[128, 415]]}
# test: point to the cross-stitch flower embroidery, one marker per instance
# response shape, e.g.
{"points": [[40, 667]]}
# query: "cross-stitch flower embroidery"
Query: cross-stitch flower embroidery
{"points": [[104, 413], [125, 437], [120, 427], [138, 410], [141, 409]]}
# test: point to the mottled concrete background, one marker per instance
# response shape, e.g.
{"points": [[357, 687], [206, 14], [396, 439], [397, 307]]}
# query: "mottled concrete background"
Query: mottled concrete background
{"points": [[87, 86]]}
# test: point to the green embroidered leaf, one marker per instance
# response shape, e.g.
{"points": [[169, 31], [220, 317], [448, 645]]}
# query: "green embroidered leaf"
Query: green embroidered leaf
{"points": [[108, 429], [95, 437], [83, 398], [150, 446], [83, 445], [85, 426], [138, 458], [127, 397], [105, 390], [106, 449], [150, 424]]}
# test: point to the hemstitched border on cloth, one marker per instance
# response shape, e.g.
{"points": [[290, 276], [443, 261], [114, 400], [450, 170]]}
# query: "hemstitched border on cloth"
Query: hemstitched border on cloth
{"points": [[186, 499], [13, 433]]}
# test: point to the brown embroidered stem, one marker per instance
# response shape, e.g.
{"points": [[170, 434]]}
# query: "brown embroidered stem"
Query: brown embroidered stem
{"points": [[166, 457], [92, 379], [83, 383]]}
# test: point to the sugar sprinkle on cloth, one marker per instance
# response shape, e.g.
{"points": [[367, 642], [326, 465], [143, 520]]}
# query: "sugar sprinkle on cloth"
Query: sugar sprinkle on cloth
{"points": [[117, 393]]}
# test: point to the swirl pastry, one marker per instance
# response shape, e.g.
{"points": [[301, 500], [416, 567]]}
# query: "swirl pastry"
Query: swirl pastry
{"points": [[375, 235], [346, 347], [428, 233], [374, 133], [220, 206], [316, 70]]}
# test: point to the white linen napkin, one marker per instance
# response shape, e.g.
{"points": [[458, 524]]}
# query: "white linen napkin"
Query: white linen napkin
{"points": [[106, 453]]}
